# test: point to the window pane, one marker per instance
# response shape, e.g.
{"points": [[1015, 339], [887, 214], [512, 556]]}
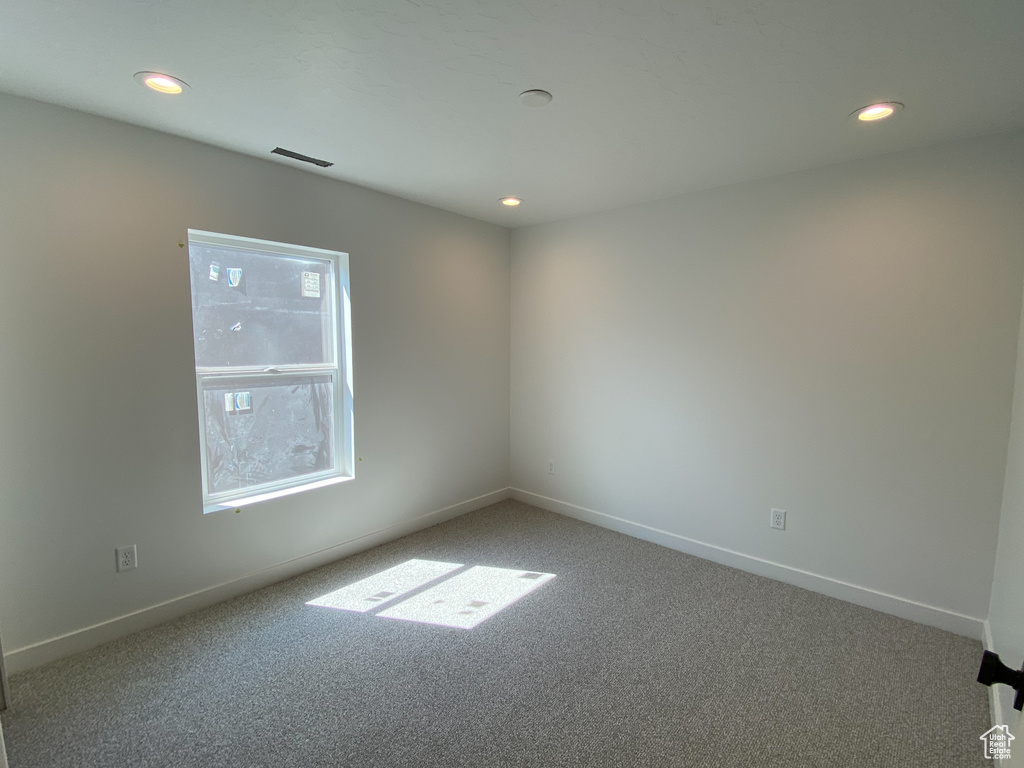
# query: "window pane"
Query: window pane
{"points": [[256, 309], [263, 430]]}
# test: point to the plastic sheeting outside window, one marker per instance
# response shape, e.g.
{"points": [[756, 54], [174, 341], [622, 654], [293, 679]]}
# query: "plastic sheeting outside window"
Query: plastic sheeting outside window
{"points": [[265, 430]]}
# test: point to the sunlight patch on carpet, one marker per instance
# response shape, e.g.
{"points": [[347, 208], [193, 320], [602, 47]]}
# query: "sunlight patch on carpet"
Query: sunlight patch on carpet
{"points": [[372, 592], [462, 600], [468, 598]]}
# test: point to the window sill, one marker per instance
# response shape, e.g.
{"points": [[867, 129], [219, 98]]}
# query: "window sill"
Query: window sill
{"points": [[237, 504]]}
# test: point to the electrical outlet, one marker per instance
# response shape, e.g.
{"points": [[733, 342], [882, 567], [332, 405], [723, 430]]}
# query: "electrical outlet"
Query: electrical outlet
{"points": [[778, 519], [551, 467], [127, 558]]}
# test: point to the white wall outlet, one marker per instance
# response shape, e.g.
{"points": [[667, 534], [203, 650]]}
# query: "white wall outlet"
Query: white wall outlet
{"points": [[778, 519], [127, 558], [551, 467]]}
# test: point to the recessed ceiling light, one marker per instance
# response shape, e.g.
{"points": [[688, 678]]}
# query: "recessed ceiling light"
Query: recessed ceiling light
{"points": [[160, 82], [535, 98], [878, 111], [511, 202]]}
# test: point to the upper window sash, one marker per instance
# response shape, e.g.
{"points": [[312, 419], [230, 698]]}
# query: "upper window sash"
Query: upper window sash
{"points": [[252, 311]]}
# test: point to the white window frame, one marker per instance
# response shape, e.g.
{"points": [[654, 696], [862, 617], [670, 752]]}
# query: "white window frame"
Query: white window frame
{"points": [[340, 371]]}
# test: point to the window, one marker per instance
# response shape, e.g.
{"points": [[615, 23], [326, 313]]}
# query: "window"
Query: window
{"points": [[273, 367]]}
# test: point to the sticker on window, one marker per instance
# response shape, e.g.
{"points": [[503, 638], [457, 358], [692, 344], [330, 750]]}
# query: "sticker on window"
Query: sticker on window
{"points": [[311, 285]]}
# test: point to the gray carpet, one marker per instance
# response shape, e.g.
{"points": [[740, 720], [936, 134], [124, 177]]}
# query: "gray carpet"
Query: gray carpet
{"points": [[634, 655]]}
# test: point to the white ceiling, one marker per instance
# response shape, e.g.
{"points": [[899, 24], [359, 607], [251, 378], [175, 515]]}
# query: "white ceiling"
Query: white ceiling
{"points": [[418, 98]]}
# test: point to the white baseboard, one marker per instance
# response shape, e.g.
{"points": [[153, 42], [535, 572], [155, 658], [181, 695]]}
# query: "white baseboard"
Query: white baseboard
{"points": [[26, 657], [930, 615]]}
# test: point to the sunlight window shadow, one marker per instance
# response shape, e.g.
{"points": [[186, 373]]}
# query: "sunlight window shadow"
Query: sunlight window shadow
{"points": [[462, 600]]}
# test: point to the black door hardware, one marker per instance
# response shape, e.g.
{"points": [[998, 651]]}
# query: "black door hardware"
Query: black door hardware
{"points": [[994, 671]]}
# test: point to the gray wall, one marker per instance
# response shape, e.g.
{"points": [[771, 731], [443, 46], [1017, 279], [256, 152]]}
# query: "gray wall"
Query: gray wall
{"points": [[839, 343], [98, 415]]}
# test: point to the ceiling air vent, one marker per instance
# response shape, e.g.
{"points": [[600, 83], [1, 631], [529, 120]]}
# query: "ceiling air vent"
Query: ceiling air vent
{"points": [[303, 158]]}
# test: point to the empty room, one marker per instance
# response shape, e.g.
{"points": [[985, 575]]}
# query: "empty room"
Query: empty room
{"points": [[478, 383]]}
